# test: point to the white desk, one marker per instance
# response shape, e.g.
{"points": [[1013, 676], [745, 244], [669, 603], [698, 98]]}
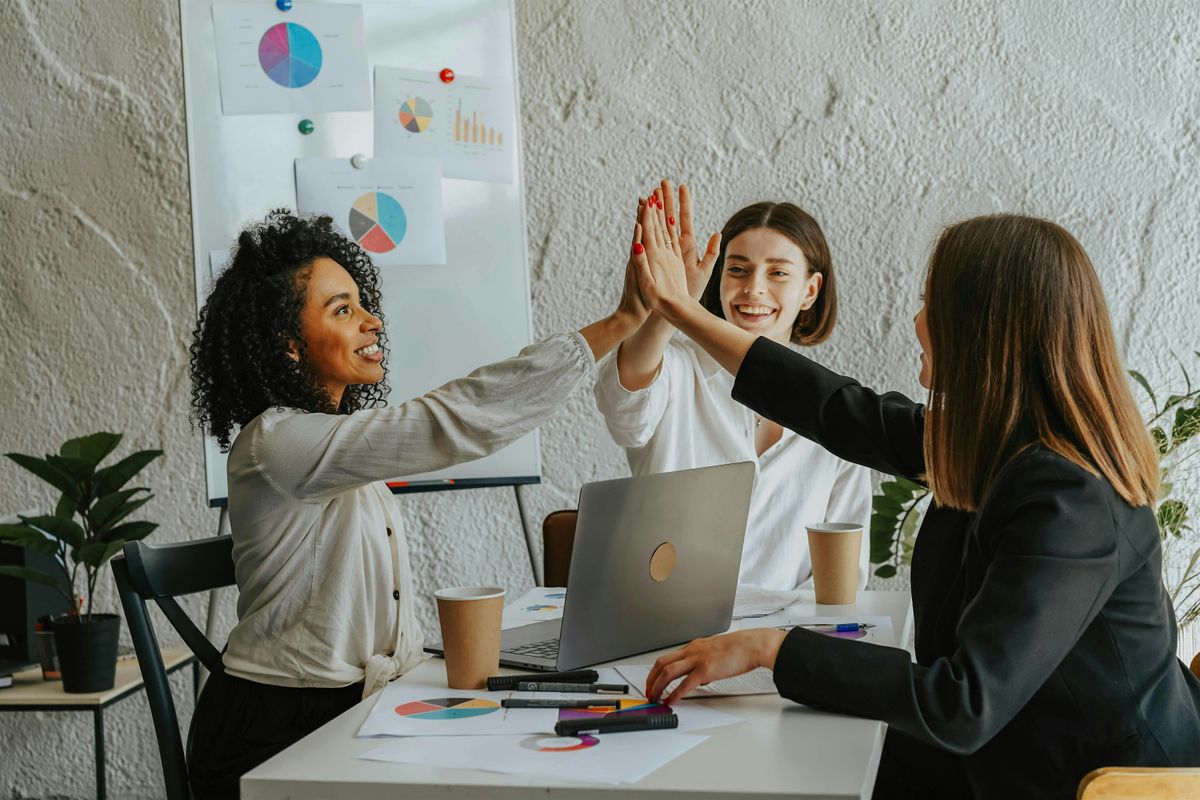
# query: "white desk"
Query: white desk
{"points": [[780, 750]]}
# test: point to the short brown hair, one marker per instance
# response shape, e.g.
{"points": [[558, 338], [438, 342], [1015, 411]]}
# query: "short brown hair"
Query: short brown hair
{"points": [[1022, 354], [815, 323]]}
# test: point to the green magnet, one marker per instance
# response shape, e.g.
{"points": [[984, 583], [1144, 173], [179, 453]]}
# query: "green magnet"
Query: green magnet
{"points": [[306, 126]]}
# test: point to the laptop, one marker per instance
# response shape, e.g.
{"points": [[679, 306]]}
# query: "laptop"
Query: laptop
{"points": [[655, 563]]}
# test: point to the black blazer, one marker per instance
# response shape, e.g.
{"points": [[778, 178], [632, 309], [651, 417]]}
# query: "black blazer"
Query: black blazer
{"points": [[1045, 641]]}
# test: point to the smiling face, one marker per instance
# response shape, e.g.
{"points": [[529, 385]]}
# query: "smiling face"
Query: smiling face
{"points": [[340, 335], [766, 283]]}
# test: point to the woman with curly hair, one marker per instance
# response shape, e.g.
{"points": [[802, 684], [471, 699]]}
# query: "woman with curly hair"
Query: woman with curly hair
{"points": [[289, 348]]}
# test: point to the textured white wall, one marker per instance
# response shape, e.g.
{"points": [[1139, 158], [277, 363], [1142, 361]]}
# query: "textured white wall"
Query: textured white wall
{"points": [[886, 120]]}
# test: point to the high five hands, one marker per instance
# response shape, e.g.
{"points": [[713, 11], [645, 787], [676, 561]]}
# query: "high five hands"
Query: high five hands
{"points": [[669, 268]]}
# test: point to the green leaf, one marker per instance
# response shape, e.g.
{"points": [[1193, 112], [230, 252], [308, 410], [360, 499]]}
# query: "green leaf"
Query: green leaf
{"points": [[24, 536], [28, 574], [63, 528], [94, 554], [90, 450], [886, 571], [110, 479], [1145, 384], [913, 486], [111, 509], [896, 492], [1172, 514], [48, 472], [128, 532], [1160, 440], [1173, 401], [79, 469], [1187, 424], [886, 506], [66, 507]]}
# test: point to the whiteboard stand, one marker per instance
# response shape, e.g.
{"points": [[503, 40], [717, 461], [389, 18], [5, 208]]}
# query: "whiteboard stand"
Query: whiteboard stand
{"points": [[534, 566]]}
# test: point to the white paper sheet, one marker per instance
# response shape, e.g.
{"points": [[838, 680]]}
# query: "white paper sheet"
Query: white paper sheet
{"points": [[408, 708], [753, 601], [390, 206], [613, 759], [538, 604], [468, 123], [310, 59]]}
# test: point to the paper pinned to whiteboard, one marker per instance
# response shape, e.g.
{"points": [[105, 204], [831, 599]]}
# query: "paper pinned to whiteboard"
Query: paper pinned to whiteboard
{"points": [[391, 206], [467, 123], [310, 59]]}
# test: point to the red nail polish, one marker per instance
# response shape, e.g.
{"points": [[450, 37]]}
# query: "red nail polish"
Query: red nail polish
{"points": [[670, 220], [637, 248]]}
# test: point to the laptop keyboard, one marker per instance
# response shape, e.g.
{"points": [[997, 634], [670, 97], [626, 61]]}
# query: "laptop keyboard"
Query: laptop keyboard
{"points": [[545, 649]]}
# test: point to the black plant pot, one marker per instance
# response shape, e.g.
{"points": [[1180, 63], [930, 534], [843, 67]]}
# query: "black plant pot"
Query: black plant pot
{"points": [[87, 651]]}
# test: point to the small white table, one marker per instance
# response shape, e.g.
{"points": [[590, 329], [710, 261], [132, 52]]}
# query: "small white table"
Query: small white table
{"points": [[780, 750]]}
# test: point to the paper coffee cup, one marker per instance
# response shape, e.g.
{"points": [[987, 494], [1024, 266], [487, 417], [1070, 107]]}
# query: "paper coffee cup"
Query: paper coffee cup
{"points": [[470, 620], [834, 549]]}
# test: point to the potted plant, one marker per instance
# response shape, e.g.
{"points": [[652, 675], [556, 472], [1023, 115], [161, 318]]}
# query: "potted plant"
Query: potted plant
{"points": [[1174, 426], [86, 641]]}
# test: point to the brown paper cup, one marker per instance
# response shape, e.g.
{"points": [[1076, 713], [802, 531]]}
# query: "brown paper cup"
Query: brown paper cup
{"points": [[834, 548], [470, 619]]}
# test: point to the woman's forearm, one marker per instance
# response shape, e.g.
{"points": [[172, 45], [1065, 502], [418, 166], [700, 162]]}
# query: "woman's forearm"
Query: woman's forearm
{"points": [[722, 340], [640, 356], [605, 334]]}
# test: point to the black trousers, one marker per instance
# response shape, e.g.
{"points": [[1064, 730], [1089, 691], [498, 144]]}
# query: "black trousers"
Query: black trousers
{"points": [[239, 724], [909, 769]]}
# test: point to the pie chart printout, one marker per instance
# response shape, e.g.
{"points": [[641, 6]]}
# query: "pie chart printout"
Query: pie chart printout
{"points": [[415, 114], [444, 708], [290, 55], [559, 744], [378, 222]]}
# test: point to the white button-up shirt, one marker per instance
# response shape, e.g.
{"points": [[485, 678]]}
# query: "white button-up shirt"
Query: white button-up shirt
{"points": [[323, 573], [686, 418]]}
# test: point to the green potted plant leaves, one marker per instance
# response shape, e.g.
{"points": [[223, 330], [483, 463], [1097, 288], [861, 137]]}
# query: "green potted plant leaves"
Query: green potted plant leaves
{"points": [[88, 527]]}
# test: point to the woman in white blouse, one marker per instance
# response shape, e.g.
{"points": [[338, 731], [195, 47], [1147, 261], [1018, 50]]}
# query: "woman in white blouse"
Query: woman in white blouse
{"points": [[668, 403], [289, 348]]}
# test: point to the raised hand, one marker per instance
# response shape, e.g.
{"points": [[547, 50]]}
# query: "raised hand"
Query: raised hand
{"points": [[632, 306], [698, 267], [662, 276]]}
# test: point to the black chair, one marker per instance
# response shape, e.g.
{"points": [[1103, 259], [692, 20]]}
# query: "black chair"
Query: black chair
{"points": [[161, 573]]}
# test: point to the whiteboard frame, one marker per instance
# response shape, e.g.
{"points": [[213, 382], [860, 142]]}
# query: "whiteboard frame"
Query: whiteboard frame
{"points": [[519, 463]]}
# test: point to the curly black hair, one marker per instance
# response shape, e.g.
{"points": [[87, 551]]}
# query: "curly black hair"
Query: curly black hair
{"points": [[240, 362]]}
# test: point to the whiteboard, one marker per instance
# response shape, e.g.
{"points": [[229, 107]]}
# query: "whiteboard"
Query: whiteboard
{"points": [[242, 166]]}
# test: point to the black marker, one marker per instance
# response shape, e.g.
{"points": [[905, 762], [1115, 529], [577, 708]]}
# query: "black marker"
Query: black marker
{"points": [[551, 702], [501, 682], [616, 724], [578, 688]]}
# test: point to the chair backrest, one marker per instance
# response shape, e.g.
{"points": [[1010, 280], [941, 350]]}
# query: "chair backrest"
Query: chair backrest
{"points": [[1140, 783], [162, 573], [558, 538]]}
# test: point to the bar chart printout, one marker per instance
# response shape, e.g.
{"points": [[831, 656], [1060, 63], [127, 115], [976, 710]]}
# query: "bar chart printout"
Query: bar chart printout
{"points": [[469, 123]]}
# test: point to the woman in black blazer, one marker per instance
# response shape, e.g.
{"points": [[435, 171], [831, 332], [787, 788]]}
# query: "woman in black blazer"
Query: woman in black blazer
{"points": [[1045, 641]]}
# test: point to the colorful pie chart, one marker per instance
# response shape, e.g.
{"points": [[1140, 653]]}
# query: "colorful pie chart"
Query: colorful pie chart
{"points": [[290, 55], [378, 222], [447, 708], [559, 744], [416, 114]]}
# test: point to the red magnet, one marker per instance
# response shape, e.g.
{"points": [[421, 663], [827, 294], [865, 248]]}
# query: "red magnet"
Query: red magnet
{"points": [[447, 75]]}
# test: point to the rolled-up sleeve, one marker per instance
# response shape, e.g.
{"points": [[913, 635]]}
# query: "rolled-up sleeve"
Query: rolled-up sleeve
{"points": [[632, 417], [314, 456]]}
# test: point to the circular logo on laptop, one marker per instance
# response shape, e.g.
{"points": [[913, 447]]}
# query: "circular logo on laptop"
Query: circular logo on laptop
{"points": [[662, 562]]}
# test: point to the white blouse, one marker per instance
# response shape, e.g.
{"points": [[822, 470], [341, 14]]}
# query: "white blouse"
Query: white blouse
{"points": [[325, 585], [686, 418]]}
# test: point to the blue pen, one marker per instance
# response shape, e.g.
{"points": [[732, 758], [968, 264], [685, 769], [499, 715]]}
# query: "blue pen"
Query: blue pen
{"points": [[838, 627]]}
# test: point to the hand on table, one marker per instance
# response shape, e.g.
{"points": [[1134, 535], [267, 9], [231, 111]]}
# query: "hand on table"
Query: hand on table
{"points": [[706, 660]]}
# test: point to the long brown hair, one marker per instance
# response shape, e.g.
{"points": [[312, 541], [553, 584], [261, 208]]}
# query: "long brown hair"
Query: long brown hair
{"points": [[815, 323], [1022, 354]]}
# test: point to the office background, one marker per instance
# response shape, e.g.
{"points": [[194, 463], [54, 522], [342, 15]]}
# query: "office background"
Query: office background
{"points": [[886, 120]]}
